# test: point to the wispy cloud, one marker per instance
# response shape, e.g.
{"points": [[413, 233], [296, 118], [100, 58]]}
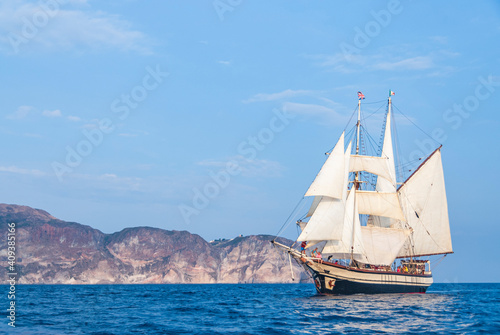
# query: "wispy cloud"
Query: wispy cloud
{"points": [[74, 118], [286, 94], [54, 113], [113, 187], [127, 135], [33, 135], [224, 62], [262, 168], [403, 57], [414, 63], [22, 112], [30, 112], [327, 114], [18, 170], [355, 63], [73, 26]]}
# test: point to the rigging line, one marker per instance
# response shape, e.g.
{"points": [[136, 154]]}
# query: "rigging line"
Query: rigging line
{"points": [[375, 111], [418, 217], [423, 131], [399, 168], [352, 115], [439, 261], [370, 139], [375, 102], [350, 132], [286, 223], [411, 163], [280, 253], [346, 136]]}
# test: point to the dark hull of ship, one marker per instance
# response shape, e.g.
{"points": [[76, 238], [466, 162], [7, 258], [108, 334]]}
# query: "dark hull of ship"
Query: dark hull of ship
{"points": [[336, 279]]}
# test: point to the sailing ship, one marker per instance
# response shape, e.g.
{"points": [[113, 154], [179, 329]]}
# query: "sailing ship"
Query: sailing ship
{"points": [[374, 235]]}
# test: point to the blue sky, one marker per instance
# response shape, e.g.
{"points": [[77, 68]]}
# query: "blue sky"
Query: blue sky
{"points": [[122, 113]]}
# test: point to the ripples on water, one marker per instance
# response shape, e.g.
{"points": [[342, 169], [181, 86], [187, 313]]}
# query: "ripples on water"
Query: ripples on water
{"points": [[249, 309]]}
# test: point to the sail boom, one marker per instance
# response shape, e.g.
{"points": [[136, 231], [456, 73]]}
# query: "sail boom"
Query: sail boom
{"points": [[423, 255]]}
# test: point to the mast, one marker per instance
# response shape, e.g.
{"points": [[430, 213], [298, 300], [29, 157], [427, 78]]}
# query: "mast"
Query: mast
{"points": [[389, 105], [354, 222], [356, 177], [356, 185], [357, 126]]}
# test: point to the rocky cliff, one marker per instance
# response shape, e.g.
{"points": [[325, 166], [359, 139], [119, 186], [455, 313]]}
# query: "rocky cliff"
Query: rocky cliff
{"points": [[52, 251]]}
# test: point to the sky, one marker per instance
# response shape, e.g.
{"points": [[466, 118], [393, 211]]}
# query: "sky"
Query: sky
{"points": [[214, 116]]}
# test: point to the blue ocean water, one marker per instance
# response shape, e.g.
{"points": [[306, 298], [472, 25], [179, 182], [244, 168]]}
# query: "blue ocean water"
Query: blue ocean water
{"points": [[249, 309]]}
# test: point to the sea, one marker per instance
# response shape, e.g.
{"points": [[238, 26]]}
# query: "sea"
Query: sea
{"points": [[248, 309]]}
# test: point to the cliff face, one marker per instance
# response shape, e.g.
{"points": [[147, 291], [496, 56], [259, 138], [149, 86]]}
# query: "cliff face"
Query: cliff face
{"points": [[51, 251]]}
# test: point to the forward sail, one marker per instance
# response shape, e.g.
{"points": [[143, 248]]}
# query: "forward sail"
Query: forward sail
{"points": [[327, 213], [329, 181], [327, 221]]}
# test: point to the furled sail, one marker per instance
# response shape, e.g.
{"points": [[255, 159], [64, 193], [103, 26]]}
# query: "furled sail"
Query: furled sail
{"points": [[381, 245], [330, 179], [423, 197], [380, 204]]}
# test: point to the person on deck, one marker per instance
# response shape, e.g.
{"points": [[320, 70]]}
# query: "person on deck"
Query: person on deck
{"points": [[303, 247], [318, 254]]}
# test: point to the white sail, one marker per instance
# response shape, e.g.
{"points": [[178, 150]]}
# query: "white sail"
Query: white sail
{"points": [[347, 163], [423, 197], [351, 233], [314, 205], [386, 184], [380, 204], [381, 245], [372, 164], [326, 213], [330, 179], [326, 223]]}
